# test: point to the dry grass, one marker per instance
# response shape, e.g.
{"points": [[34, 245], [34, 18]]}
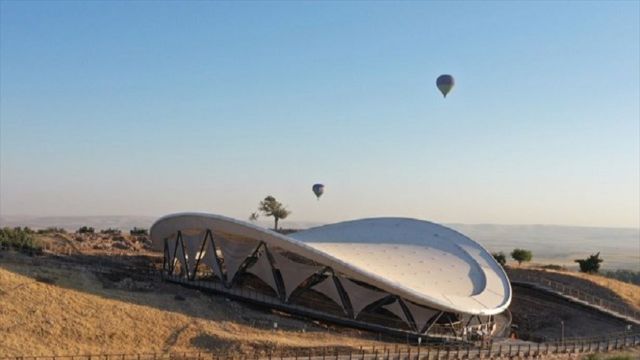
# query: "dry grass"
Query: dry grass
{"points": [[48, 310], [628, 293], [632, 354]]}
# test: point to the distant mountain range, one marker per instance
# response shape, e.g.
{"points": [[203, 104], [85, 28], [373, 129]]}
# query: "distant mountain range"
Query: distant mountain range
{"points": [[620, 247], [123, 222], [557, 244], [72, 223]]}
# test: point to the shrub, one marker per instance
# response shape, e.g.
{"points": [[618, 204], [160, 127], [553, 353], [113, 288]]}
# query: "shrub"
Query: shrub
{"points": [[86, 230], [20, 239], [554, 267], [111, 231], [521, 255], [139, 232], [52, 230], [500, 257], [591, 264]]}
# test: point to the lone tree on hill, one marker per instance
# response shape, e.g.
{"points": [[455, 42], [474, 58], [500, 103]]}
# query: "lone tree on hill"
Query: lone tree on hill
{"points": [[591, 264], [521, 255], [501, 258], [272, 207]]}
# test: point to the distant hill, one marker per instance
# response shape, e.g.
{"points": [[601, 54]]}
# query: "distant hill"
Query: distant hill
{"points": [[620, 247], [72, 223]]}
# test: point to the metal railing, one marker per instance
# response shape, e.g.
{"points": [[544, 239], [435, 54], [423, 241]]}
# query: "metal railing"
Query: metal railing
{"points": [[387, 352]]}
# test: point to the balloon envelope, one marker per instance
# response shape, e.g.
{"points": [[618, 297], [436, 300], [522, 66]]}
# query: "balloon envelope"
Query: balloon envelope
{"points": [[445, 83], [318, 189]]}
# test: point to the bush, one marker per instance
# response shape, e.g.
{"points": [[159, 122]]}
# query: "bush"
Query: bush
{"points": [[139, 232], [86, 230], [20, 239], [554, 267], [500, 257], [52, 230], [521, 255], [111, 231], [591, 264]]}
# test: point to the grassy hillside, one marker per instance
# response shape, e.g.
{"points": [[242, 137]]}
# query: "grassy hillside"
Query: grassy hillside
{"points": [[48, 308], [615, 291]]}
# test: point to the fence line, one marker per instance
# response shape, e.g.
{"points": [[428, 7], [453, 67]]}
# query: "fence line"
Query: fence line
{"points": [[391, 352], [569, 291]]}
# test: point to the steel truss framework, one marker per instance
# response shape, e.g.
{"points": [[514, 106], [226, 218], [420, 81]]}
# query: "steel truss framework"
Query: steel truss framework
{"points": [[418, 320]]}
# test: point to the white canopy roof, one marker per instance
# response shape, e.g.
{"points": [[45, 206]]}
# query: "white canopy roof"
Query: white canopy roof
{"points": [[420, 261]]}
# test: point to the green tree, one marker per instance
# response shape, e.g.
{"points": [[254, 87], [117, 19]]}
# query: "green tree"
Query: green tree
{"points": [[591, 264], [521, 255], [501, 258], [272, 207]]}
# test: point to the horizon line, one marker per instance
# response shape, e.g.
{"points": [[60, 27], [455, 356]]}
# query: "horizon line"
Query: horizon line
{"points": [[332, 222]]}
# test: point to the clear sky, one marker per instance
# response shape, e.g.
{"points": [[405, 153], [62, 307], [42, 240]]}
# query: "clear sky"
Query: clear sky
{"points": [[148, 108]]}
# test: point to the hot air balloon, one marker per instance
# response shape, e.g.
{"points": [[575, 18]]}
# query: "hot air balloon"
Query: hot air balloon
{"points": [[445, 83], [318, 189]]}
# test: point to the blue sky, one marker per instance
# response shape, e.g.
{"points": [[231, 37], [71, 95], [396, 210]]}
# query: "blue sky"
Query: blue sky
{"points": [[148, 108]]}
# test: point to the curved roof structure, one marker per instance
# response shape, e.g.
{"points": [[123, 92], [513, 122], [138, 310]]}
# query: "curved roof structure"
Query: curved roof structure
{"points": [[420, 261]]}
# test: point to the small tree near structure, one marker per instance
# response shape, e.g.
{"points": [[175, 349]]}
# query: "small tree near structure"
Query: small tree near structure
{"points": [[271, 207], [591, 264], [521, 255], [501, 258]]}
